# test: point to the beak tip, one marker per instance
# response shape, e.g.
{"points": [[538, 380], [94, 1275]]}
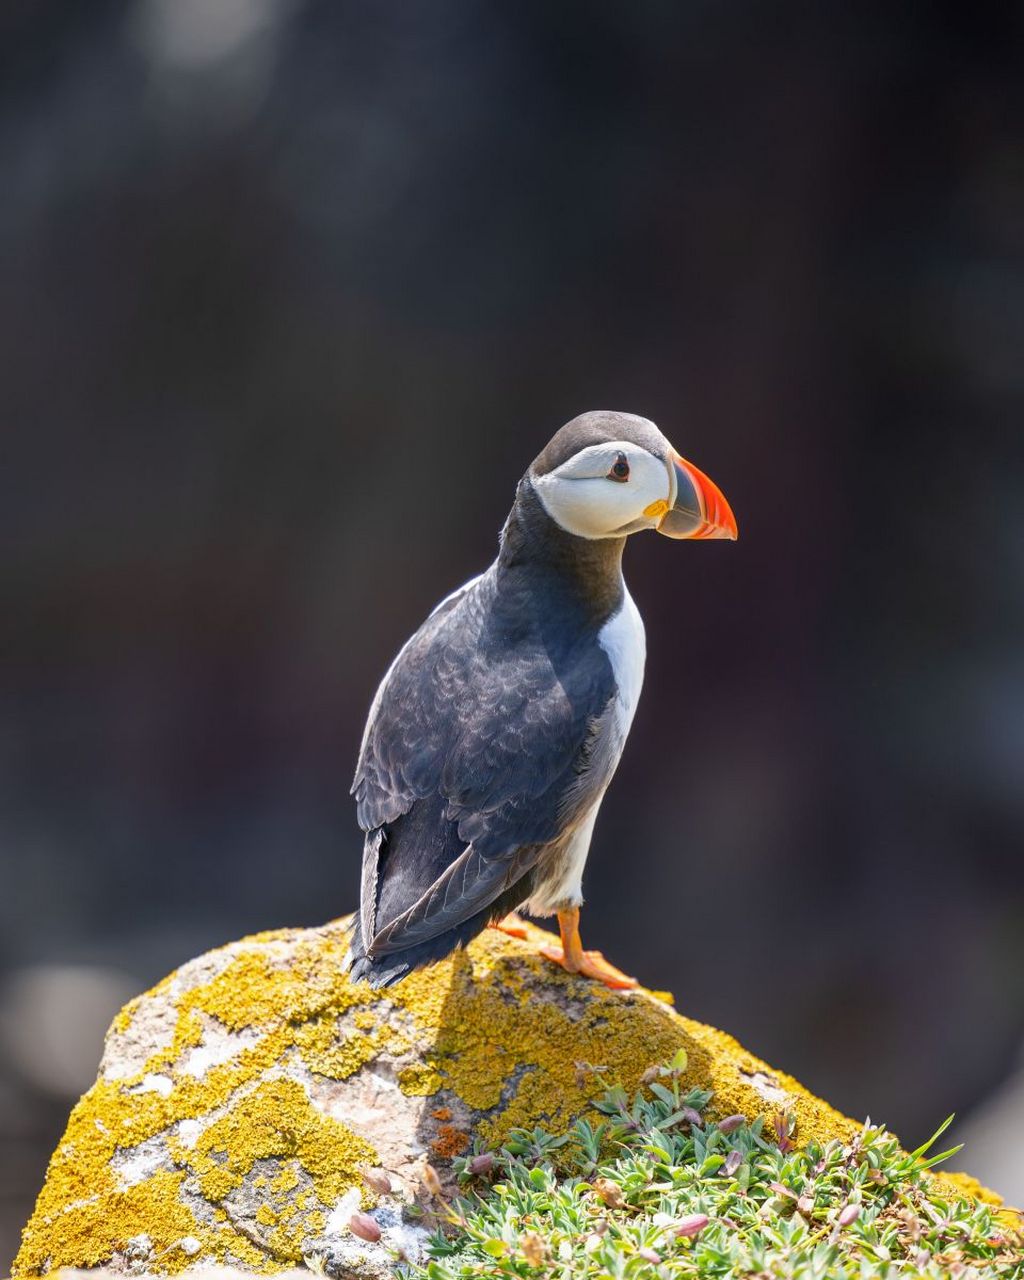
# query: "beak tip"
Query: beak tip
{"points": [[716, 520]]}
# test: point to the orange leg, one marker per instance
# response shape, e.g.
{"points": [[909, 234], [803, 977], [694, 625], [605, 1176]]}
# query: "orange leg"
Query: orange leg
{"points": [[512, 925], [573, 959]]}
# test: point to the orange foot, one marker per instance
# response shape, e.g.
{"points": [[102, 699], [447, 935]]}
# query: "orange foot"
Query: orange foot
{"points": [[512, 925], [573, 959]]}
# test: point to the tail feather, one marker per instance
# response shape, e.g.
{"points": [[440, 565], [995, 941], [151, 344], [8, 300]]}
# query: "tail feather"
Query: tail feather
{"points": [[383, 971]]}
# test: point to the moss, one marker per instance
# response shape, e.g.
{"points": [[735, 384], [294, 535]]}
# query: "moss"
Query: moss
{"points": [[493, 1038]]}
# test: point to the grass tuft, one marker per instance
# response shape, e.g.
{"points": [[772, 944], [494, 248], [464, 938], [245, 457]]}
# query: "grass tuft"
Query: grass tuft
{"points": [[656, 1189]]}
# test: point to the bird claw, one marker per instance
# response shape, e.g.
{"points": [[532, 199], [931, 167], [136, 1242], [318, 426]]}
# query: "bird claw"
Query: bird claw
{"points": [[512, 925], [590, 964]]}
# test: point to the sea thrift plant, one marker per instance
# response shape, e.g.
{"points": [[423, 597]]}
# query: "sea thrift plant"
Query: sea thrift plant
{"points": [[657, 1189]]}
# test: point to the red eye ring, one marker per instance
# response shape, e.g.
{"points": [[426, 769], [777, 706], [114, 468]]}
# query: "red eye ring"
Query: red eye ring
{"points": [[620, 469]]}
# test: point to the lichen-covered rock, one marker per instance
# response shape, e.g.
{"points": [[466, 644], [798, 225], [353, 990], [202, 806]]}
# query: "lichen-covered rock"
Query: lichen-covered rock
{"points": [[255, 1101]]}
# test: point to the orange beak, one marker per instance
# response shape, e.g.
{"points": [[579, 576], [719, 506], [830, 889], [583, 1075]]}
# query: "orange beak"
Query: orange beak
{"points": [[700, 509]]}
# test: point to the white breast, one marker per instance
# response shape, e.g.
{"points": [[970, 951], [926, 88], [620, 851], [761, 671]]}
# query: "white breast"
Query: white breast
{"points": [[559, 882], [623, 640]]}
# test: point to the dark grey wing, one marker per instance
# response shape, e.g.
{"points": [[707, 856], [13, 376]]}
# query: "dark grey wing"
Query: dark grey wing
{"points": [[483, 745], [465, 888]]}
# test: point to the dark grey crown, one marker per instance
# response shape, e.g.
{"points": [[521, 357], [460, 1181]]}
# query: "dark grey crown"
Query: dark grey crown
{"points": [[596, 427]]}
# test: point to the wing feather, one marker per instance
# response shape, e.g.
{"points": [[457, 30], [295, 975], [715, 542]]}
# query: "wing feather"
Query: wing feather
{"points": [[467, 887], [368, 887], [479, 751]]}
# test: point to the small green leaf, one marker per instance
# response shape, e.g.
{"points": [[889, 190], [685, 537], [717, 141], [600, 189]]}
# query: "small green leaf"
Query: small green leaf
{"points": [[934, 1160], [914, 1155], [812, 1212]]}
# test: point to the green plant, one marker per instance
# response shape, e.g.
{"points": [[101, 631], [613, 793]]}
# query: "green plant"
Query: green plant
{"points": [[656, 1190]]}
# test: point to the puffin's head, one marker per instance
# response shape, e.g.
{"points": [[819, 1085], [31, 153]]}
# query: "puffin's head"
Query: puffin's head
{"points": [[607, 474]]}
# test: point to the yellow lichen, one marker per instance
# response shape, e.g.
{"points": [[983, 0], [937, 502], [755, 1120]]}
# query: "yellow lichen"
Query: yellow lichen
{"points": [[287, 1238], [494, 1029], [278, 1119], [90, 1230], [334, 1056], [966, 1185], [287, 1180], [420, 1080], [508, 1031], [83, 1216]]}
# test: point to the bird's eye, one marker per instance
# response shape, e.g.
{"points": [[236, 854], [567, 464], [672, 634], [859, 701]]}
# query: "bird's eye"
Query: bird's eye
{"points": [[620, 469]]}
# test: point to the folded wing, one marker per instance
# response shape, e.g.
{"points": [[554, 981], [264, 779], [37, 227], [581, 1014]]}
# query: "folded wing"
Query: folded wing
{"points": [[486, 742]]}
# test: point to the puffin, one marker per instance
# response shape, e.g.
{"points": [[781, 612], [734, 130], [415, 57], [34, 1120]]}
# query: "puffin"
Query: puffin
{"points": [[496, 730]]}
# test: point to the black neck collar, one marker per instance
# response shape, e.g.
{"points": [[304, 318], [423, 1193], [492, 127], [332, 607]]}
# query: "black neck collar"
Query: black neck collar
{"points": [[584, 573]]}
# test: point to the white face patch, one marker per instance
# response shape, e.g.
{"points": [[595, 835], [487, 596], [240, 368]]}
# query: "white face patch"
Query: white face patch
{"points": [[586, 498]]}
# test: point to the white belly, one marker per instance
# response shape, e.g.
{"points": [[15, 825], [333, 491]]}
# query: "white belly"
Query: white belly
{"points": [[562, 885], [623, 640]]}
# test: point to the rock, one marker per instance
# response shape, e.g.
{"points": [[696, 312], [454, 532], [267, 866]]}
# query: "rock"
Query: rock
{"points": [[257, 1111]]}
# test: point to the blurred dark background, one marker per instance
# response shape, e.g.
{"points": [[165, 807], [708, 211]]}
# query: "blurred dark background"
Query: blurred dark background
{"points": [[293, 292]]}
